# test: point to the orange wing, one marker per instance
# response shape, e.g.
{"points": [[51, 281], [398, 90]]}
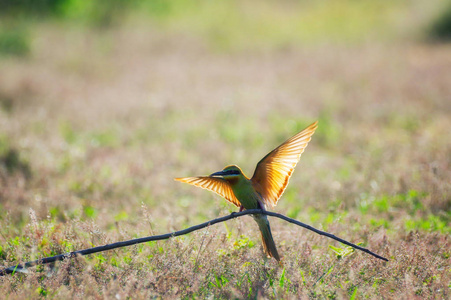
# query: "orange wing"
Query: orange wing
{"points": [[214, 184], [274, 170]]}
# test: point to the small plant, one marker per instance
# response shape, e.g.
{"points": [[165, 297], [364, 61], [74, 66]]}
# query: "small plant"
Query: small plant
{"points": [[343, 252], [243, 242]]}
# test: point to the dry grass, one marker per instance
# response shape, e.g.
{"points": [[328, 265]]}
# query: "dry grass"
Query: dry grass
{"points": [[94, 126]]}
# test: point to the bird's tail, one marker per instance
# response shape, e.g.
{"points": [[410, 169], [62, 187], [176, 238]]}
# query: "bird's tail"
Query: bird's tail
{"points": [[268, 243]]}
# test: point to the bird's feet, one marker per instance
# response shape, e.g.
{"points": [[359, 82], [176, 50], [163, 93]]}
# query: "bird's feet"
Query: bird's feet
{"points": [[241, 209]]}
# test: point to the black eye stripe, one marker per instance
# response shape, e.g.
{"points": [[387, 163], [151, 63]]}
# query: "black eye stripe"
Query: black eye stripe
{"points": [[232, 172]]}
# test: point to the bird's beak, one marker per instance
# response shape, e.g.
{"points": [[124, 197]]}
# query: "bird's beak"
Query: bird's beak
{"points": [[220, 173]]}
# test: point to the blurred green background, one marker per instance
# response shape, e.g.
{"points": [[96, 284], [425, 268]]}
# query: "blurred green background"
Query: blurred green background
{"points": [[102, 103], [229, 25]]}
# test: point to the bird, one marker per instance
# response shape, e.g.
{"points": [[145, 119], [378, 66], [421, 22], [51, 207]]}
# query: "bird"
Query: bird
{"points": [[264, 188]]}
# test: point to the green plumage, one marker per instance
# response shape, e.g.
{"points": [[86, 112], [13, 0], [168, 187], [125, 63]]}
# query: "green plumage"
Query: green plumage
{"points": [[250, 199]]}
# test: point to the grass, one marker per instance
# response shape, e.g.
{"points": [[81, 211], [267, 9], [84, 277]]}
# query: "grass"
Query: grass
{"points": [[236, 26], [13, 42], [89, 145]]}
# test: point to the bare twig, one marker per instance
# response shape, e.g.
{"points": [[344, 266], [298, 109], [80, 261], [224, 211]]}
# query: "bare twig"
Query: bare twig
{"points": [[46, 260]]}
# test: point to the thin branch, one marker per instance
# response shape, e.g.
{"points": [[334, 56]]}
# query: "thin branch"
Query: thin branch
{"points": [[272, 214], [234, 215]]}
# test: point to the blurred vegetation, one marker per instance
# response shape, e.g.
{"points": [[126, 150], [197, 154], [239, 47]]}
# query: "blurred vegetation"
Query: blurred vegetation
{"points": [[440, 28], [250, 24], [14, 41], [11, 160], [229, 25], [21, 7], [118, 97], [96, 12], [16, 17]]}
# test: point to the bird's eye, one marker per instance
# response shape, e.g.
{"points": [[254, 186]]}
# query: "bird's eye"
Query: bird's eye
{"points": [[233, 172]]}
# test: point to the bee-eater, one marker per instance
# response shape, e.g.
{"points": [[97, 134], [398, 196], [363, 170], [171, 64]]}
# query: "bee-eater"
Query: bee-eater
{"points": [[266, 185]]}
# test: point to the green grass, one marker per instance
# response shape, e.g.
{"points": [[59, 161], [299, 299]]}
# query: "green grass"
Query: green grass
{"points": [[236, 25], [14, 42]]}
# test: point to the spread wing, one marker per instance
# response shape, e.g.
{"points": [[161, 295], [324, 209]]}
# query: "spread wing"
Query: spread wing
{"points": [[273, 172], [214, 184]]}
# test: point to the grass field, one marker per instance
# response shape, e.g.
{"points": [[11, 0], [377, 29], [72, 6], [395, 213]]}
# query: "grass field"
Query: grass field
{"points": [[96, 123]]}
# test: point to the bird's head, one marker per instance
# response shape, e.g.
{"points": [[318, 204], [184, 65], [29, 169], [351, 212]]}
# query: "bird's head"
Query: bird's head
{"points": [[229, 173]]}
